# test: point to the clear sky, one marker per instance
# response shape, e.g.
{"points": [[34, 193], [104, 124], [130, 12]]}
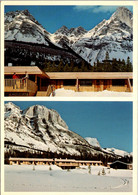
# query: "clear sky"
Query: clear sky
{"points": [[53, 17], [109, 122]]}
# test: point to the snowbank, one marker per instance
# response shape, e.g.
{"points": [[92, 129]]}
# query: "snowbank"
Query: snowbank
{"points": [[25, 178], [70, 93]]}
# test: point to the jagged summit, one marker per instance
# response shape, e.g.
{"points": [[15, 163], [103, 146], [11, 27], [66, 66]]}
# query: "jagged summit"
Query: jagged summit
{"points": [[22, 26], [72, 31], [114, 35], [38, 128], [124, 15]]}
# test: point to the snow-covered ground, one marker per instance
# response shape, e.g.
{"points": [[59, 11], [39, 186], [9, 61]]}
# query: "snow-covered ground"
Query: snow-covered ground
{"points": [[24, 178], [70, 93]]}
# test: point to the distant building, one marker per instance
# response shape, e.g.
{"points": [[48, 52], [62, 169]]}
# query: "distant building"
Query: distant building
{"points": [[41, 83], [120, 165]]}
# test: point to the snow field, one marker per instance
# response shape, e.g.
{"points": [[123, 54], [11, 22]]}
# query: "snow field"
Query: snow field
{"points": [[70, 93], [40, 178]]}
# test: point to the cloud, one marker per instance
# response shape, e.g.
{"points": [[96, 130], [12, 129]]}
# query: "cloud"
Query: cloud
{"points": [[99, 9]]}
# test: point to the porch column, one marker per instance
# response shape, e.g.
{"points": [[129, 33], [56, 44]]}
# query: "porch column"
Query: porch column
{"points": [[92, 85], [101, 85], [40, 83], [110, 84], [77, 84], [129, 85], [35, 79]]}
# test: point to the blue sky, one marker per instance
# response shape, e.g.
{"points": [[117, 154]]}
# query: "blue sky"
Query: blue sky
{"points": [[53, 17], [109, 122]]}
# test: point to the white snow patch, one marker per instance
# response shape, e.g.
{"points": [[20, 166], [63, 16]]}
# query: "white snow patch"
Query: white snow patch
{"points": [[70, 93], [40, 179]]}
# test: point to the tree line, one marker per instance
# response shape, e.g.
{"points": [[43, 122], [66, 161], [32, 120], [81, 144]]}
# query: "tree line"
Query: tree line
{"points": [[106, 65]]}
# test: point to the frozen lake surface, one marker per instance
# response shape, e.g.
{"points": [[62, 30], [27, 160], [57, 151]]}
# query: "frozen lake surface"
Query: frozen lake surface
{"points": [[23, 178]]}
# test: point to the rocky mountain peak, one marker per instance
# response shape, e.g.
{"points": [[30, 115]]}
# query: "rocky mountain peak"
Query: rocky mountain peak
{"points": [[124, 15], [63, 30], [45, 115], [93, 141]]}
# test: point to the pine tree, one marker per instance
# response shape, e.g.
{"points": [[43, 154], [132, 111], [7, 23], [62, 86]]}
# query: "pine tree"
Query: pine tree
{"points": [[129, 65], [66, 68], [107, 56]]}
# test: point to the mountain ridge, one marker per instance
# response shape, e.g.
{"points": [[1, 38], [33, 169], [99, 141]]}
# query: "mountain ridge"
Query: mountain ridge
{"points": [[39, 129], [114, 35]]}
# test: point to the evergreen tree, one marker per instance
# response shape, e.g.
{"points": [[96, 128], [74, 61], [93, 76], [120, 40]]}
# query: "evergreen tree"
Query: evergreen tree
{"points": [[107, 56], [60, 66], [66, 68], [129, 65]]}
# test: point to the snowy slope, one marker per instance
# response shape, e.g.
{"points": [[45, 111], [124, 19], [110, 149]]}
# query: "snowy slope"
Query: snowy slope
{"points": [[40, 128], [93, 141], [22, 26], [117, 152], [67, 36], [114, 35]]}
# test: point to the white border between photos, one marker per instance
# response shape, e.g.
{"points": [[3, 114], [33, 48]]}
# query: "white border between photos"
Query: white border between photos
{"points": [[132, 99]]}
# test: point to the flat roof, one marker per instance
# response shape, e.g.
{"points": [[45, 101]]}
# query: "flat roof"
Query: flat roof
{"points": [[34, 70], [31, 70], [90, 75]]}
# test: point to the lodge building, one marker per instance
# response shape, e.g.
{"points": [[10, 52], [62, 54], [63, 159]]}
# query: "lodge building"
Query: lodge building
{"points": [[63, 163], [41, 83]]}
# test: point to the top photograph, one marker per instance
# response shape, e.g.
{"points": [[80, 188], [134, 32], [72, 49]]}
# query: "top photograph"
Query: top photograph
{"points": [[68, 51]]}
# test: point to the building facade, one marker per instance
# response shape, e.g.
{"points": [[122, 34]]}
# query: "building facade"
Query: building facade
{"points": [[39, 83]]}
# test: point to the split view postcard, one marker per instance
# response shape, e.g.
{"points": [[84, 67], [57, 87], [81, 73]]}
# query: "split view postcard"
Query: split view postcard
{"points": [[69, 97]]}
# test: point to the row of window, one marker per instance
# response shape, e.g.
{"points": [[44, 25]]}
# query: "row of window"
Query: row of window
{"points": [[88, 82]]}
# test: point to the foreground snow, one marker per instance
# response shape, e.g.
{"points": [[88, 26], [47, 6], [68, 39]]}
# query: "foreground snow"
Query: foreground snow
{"points": [[25, 178], [70, 93]]}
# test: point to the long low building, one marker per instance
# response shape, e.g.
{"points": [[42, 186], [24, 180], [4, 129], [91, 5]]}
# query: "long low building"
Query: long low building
{"points": [[41, 83], [63, 163]]}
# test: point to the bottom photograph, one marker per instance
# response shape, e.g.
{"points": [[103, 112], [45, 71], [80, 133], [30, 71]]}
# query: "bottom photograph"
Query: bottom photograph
{"points": [[68, 146]]}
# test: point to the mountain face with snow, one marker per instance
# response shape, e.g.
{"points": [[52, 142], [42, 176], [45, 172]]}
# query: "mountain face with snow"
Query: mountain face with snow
{"points": [[43, 129], [22, 26], [65, 36], [114, 36], [118, 152], [93, 141], [25, 38], [38, 128]]}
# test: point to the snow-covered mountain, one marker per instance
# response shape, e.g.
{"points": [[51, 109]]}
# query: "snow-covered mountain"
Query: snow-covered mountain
{"points": [[40, 128], [25, 36], [114, 35], [118, 152], [93, 141], [22, 26], [67, 36]]}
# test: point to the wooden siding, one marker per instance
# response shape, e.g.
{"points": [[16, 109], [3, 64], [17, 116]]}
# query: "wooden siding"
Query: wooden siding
{"points": [[20, 86]]}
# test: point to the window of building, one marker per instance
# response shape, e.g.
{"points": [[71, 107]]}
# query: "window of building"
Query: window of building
{"points": [[69, 82], [85, 82], [118, 82]]}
